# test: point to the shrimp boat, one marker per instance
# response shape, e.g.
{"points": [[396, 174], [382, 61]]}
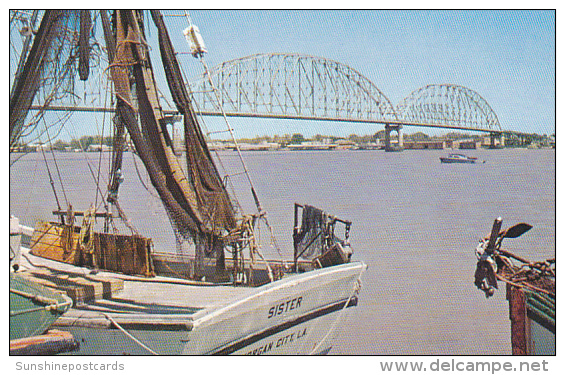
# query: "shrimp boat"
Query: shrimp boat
{"points": [[221, 296]]}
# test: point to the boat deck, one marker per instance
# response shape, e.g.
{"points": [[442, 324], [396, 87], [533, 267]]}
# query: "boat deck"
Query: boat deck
{"points": [[126, 298]]}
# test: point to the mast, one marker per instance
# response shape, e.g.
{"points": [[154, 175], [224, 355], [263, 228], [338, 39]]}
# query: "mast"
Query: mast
{"points": [[119, 131], [198, 203], [27, 84], [195, 200]]}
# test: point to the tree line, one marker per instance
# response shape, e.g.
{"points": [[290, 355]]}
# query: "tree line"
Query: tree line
{"points": [[84, 142]]}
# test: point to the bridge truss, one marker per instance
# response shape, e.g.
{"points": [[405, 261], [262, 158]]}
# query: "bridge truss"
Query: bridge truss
{"points": [[293, 86], [297, 86], [448, 106]]}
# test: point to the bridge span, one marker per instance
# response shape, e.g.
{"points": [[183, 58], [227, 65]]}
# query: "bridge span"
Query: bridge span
{"points": [[294, 86]]}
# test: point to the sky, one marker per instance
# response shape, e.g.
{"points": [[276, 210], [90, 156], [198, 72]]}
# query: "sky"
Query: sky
{"points": [[506, 56]]}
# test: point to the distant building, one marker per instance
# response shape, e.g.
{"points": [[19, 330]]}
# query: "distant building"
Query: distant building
{"points": [[217, 146], [548, 141], [467, 144], [311, 146], [98, 148], [38, 147], [425, 145], [345, 144], [498, 142], [263, 146]]}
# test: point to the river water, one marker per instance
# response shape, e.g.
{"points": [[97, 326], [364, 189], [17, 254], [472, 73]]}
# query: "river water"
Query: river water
{"points": [[416, 223]]}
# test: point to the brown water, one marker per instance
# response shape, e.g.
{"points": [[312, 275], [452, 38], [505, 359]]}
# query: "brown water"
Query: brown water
{"points": [[416, 223]]}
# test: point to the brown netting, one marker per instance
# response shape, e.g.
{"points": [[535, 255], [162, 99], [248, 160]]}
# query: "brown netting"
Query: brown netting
{"points": [[84, 47], [198, 206], [197, 201], [49, 65], [212, 196]]}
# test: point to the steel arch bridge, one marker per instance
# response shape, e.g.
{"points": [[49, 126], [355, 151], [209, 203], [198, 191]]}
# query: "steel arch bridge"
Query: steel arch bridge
{"points": [[448, 106], [294, 86]]}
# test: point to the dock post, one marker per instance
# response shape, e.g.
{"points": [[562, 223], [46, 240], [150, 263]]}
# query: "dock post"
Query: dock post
{"points": [[518, 326]]}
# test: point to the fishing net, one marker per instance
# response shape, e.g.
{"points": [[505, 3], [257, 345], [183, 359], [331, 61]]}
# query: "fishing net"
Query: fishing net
{"points": [[316, 234], [49, 66], [197, 203]]}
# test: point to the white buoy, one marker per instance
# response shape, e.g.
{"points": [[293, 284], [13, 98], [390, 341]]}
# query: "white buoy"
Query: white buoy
{"points": [[193, 37]]}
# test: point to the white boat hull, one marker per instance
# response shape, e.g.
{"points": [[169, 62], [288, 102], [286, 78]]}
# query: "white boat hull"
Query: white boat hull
{"points": [[299, 314]]}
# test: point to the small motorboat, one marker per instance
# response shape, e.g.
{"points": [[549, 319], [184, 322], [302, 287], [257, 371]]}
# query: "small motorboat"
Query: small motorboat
{"points": [[459, 158]]}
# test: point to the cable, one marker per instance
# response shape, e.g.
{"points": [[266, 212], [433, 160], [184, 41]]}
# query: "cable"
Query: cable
{"points": [[262, 213]]}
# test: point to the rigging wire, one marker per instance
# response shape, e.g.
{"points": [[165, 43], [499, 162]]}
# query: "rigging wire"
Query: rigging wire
{"points": [[202, 122], [32, 126], [261, 212], [12, 162], [151, 192], [355, 291], [96, 182], [100, 156], [227, 180], [49, 141], [52, 182]]}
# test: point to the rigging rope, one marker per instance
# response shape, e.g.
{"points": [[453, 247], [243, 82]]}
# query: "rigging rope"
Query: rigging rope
{"points": [[141, 179], [52, 182], [100, 156], [124, 218], [130, 335], [55, 161], [262, 213], [356, 289]]}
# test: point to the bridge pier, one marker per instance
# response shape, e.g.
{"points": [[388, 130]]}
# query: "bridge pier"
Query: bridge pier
{"points": [[494, 137], [398, 129]]}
